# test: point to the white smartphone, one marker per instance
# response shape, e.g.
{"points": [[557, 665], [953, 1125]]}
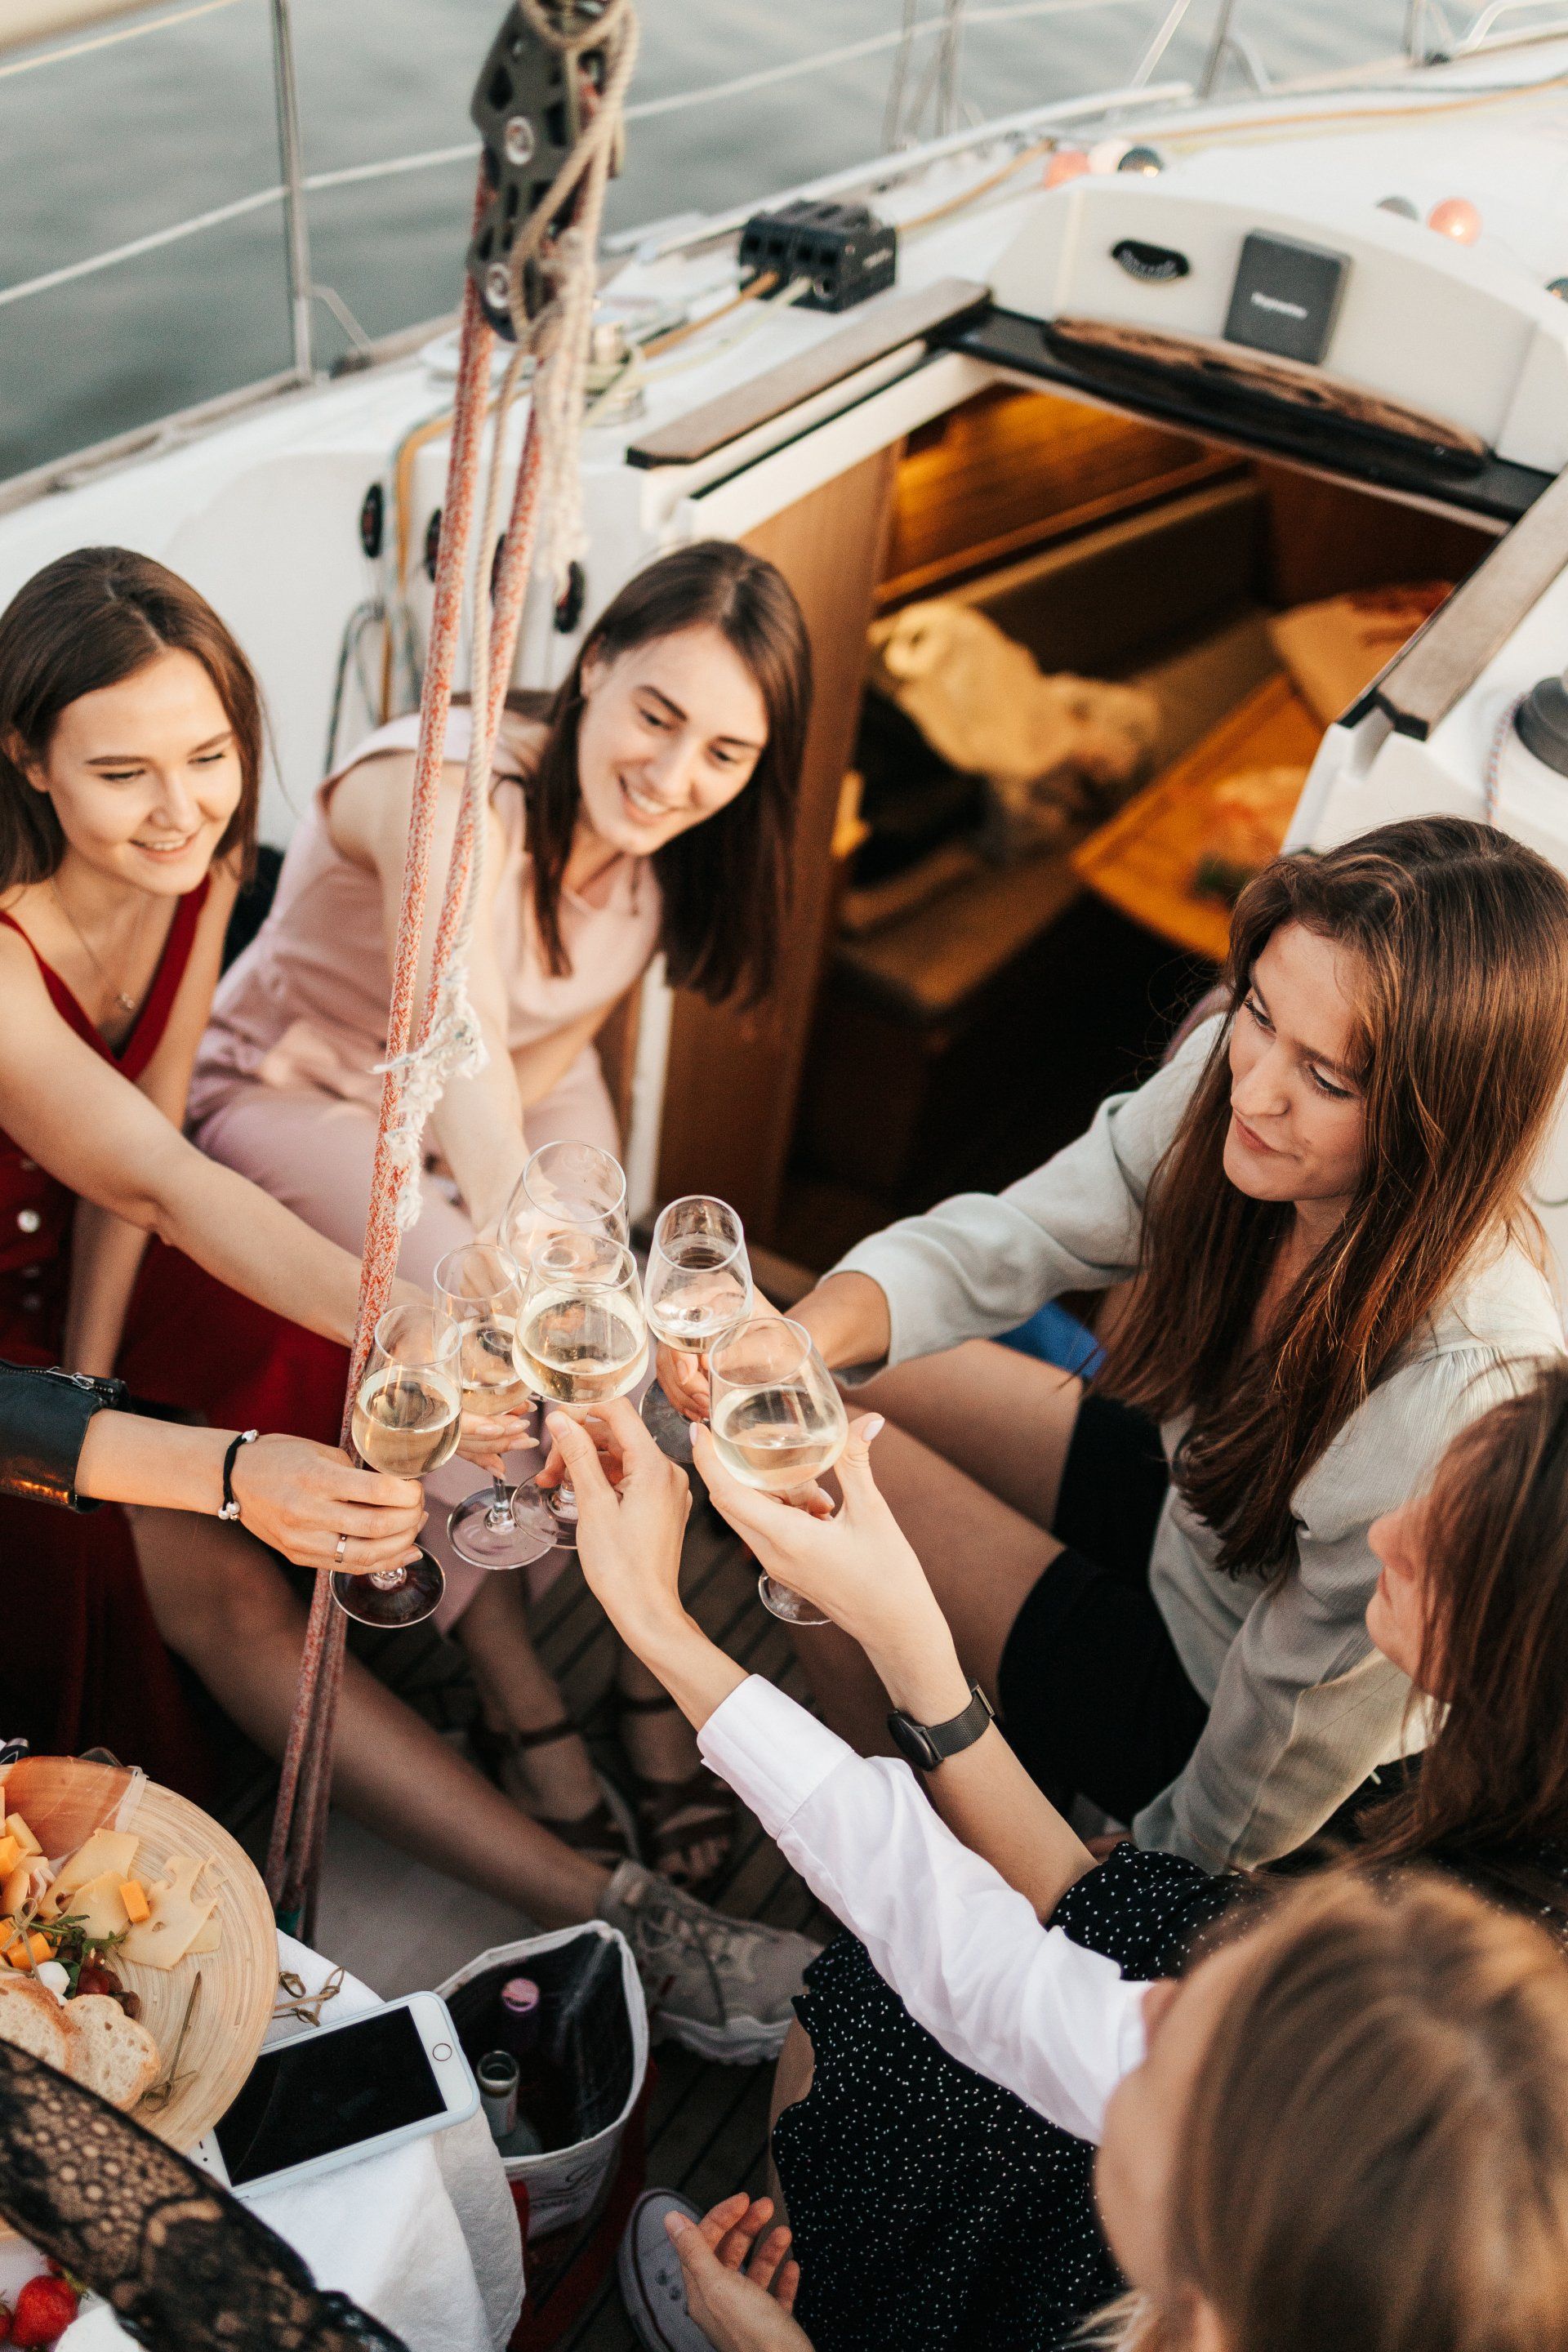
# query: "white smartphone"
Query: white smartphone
{"points": [[337, 2094]]}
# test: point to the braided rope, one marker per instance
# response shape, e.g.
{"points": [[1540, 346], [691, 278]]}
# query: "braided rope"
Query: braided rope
{"points": [[448, 1038]]}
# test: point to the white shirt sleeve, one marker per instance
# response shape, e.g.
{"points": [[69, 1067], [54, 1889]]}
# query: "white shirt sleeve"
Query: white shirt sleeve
{"points": [[1018, 2002]]}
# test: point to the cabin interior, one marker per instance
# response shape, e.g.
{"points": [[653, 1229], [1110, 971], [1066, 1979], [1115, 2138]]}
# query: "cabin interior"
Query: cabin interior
{"points": [[950, 1016]]}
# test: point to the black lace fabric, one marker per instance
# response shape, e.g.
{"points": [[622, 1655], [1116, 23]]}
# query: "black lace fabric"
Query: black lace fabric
{"points": [[184, 2265]]}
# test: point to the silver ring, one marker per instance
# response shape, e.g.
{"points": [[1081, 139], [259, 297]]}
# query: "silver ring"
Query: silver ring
{"points": [[341, 1546]]}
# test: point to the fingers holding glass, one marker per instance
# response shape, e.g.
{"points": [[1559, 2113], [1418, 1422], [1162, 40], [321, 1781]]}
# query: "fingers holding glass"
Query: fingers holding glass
{"points": [[478, 1294], [582, 1336], [406, 1415], [778, 1423], [697, 1287]]}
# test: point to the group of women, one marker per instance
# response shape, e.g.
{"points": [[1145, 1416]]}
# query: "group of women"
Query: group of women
{"points": [[1282, 1595]]}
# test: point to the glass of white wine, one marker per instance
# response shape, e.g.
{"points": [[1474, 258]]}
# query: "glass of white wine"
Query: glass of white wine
{"points": [[778, 1423], [479, 1291], [697, 1287], [581, 1337], [405, 1416]]}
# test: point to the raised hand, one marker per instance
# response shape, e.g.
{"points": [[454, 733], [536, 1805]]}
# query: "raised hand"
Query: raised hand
{"points": [[739, 2285], [299, 1498]]}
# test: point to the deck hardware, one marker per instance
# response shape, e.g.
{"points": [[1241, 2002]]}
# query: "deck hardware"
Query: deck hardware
{"points": [[1285, 297], [432, 543], [846, 252], [373, 521], [1156, 264]]}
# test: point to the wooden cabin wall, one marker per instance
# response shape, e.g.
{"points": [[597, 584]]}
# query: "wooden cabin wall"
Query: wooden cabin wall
{"points": [[1325, 539], [733, 1078]]}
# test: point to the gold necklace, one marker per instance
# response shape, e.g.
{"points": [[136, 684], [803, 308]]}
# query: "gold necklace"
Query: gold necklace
{"points": [[125, 1003]]}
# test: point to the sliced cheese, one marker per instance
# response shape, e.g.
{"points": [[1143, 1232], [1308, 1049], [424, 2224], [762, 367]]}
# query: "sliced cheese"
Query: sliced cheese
{"points": [[106, 1851], [98, 1906], [209, 1940], [17, 1828], [10, 1854], [179, 1915]]}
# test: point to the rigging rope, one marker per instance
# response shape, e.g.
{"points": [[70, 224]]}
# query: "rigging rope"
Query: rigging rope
{"points": [[561, 238]]}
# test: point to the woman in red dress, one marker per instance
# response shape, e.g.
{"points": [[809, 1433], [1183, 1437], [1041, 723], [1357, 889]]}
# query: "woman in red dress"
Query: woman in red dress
{"points": [[130, 761]]}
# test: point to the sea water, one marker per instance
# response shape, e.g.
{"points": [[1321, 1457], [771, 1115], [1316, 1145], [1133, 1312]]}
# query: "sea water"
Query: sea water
{"points": [[101, 148]]}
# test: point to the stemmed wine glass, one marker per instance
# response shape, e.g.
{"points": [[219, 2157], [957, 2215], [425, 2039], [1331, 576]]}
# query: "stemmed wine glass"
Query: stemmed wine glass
{"points": [[405, 1422], [582, 1335], [479, 1291], [565, 1187], [697, 1286], [778, 1422]]}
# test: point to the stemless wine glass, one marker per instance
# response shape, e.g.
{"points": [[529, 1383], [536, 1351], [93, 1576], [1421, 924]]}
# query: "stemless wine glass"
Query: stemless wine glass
{"points": [[581, 1337], [697, 1286], [405, 1416], [479, 1291], [778, 1423]]}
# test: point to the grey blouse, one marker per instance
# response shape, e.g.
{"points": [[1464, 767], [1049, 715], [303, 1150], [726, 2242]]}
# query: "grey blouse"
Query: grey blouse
{"points": [[1302, 1708]]}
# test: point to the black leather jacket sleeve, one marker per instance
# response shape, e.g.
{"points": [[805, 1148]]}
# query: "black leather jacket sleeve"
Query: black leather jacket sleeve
{"points": [[42, 1420]]}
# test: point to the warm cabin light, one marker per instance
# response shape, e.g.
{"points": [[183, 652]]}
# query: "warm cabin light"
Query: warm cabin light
{"points": [[1456, 218], [1066, 163], [1107, 153], [1147, 161], [1558, 286]]}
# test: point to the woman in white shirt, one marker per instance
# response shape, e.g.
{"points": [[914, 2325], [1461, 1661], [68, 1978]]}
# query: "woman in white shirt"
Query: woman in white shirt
{"points": [[1322, 1199], [1392, 2060]]}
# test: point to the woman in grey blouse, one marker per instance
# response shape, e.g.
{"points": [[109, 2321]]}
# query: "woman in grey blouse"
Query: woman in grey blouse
{"points": [[1322, 1197]]}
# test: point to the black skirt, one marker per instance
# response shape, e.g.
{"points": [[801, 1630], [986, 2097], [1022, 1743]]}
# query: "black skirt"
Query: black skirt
{"points": [[932, 2211], [1094, 1699]]}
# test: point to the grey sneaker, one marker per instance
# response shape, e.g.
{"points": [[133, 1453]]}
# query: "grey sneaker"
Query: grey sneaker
{"points": [[720, 1986]]}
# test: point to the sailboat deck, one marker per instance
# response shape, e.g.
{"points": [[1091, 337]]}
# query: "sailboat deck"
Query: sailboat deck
{"points": [[399, 1924]]}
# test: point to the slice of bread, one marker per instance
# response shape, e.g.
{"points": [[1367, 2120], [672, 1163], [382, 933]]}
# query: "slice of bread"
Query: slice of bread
{"points": [[117, 2058], [33, 2019]]}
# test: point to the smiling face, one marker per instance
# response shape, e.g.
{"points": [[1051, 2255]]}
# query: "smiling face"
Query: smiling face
{"points": [[144, 775], [670, 732], [1145, 2123], [1298, 1110]]}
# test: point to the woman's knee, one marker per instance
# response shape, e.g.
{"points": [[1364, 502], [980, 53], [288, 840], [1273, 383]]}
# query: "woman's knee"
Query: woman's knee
{"points": [[209, 1584]]}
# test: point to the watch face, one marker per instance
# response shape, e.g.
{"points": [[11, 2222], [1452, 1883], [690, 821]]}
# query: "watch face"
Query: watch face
{"points": [[913, 1741]]}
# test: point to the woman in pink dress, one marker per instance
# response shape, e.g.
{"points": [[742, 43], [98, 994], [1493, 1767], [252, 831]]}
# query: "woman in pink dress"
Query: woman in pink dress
{"points": [[648, 808]]}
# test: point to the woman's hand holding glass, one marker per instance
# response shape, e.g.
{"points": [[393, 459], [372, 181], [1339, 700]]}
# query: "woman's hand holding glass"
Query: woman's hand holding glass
{"points": [[697, 1287], [405, 1417], [301, 1497], [857, 1568], [778, 1423]]}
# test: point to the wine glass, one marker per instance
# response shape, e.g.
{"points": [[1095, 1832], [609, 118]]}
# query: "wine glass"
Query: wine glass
{"points": [[479, 1291], [697, 1287], [405, 1416], [778, 1422], [564, 1186], [581, 1337]]}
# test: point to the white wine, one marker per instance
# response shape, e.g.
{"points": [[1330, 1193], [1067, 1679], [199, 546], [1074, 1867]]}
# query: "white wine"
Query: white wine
{"points": [[581, 1348], [778, 1438], [405, 1422], [491, 1383], [682, 1319]]}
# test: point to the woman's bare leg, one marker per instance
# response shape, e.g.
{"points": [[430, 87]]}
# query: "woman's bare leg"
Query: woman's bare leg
{"points": [[792, 2078], [983, 1559], [223, 1605], [516, 1695], [1005, 1419]]}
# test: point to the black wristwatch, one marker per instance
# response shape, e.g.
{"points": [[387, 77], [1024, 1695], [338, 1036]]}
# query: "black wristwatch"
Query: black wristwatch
{"points": [[927, 1745]]}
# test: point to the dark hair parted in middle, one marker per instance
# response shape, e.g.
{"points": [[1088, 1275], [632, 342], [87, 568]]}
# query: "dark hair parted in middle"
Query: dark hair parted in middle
{"points": [[724, 881], [1460, 940]]}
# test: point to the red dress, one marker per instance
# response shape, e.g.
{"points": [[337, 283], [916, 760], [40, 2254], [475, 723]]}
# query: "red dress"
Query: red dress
{"points": [[81, 1661]]}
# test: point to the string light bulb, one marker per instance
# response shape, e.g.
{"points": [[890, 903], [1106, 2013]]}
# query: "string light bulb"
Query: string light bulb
{"points": [[1456, 218]]}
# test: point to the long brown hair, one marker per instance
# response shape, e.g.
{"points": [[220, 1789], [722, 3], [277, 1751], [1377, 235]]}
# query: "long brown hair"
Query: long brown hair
{"points": [[1460, 936], [1494, 1647], [87, 621], [1375, 2153], [724, 882]]}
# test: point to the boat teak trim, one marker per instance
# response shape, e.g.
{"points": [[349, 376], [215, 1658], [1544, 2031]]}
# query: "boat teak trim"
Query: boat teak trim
{"points": [[884, 326], [1430, 673], [1256, 401]]}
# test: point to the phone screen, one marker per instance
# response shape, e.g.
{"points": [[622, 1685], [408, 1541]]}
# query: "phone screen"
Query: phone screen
{"points": [[327, 2092]]}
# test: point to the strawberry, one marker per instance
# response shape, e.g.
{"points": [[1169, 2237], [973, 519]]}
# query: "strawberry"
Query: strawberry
{"points": [[44, 2309]]}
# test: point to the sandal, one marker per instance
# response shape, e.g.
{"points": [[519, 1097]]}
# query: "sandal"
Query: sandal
{"points": [[605, 1833], [674, 1817]]}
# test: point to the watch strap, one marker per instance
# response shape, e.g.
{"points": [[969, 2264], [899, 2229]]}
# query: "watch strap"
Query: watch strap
{"points": [[927, 1745]]}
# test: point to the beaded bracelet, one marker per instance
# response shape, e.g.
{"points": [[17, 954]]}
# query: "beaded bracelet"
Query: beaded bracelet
{"points": [[229, 1508]]}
